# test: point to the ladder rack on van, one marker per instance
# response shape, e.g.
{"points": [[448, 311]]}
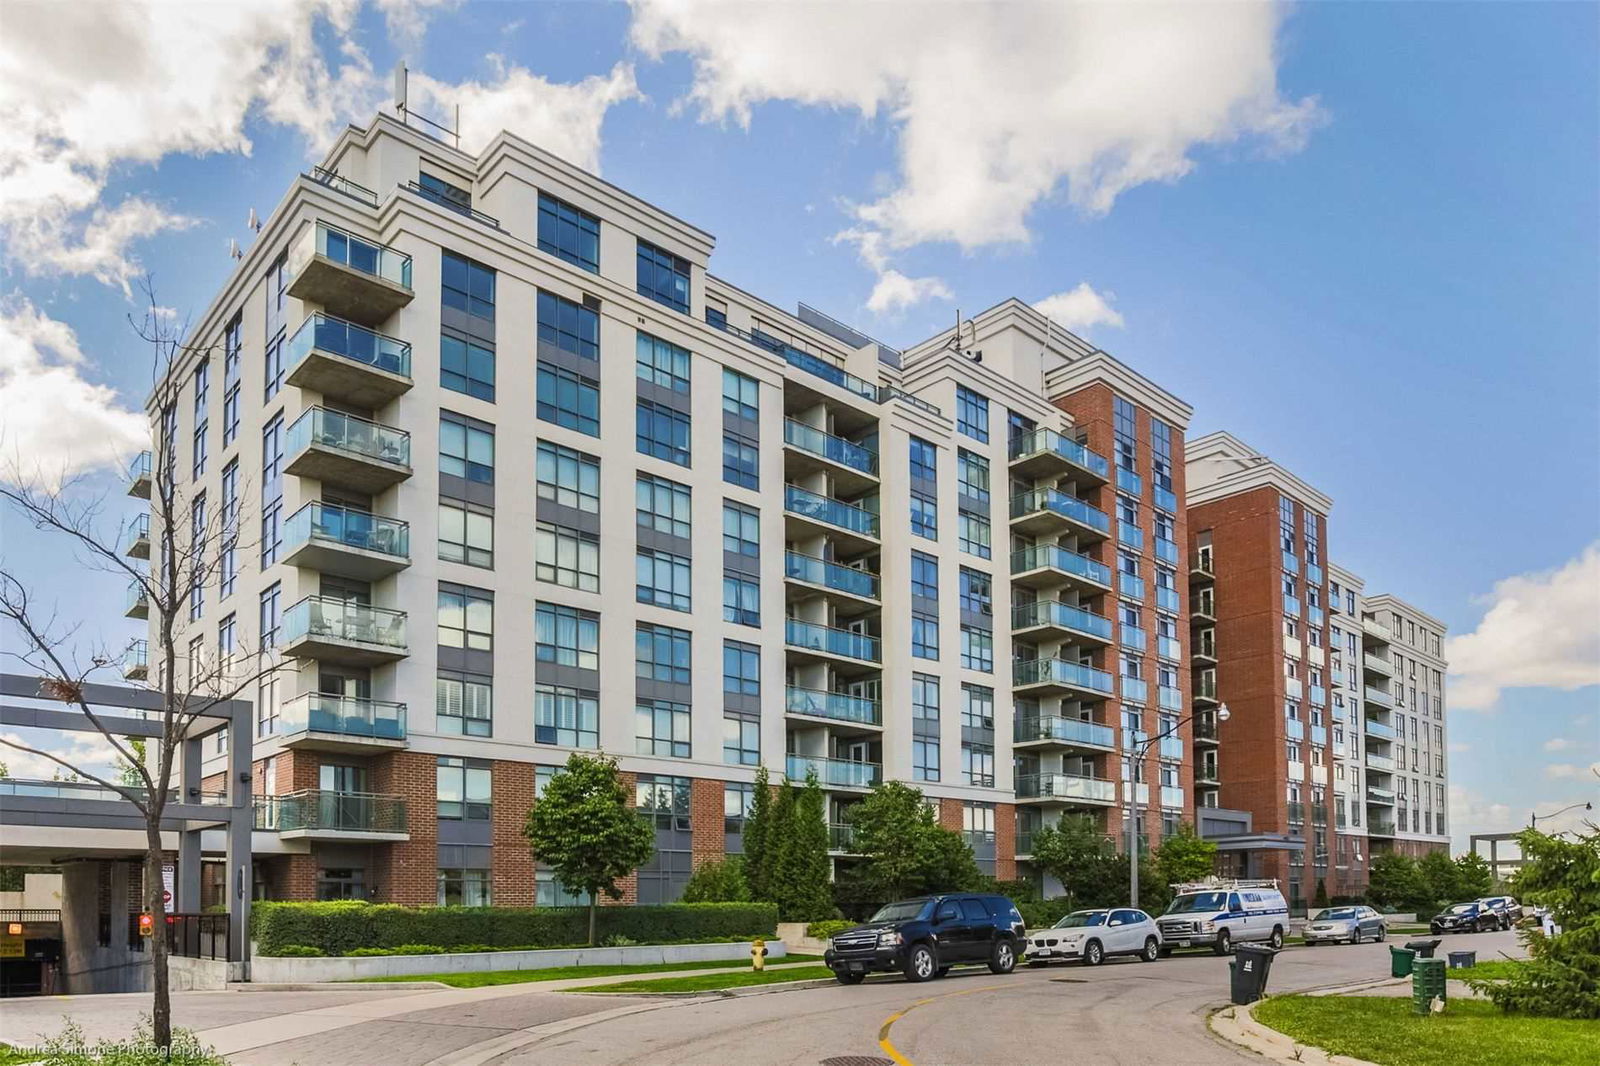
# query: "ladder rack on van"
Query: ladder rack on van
{"points": [[1220, 884]]}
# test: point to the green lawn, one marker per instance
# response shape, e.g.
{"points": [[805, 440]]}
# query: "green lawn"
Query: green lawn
{"points": [[1494, 969], [486, 978], [1469, 1033], [712, 981]]}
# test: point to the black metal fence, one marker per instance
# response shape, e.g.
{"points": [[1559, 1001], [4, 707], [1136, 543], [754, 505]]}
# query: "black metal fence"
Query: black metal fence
{"points": [[198, 936]]}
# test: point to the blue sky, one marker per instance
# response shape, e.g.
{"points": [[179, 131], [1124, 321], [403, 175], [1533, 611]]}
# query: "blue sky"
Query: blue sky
{"points": [[1375, 259]]}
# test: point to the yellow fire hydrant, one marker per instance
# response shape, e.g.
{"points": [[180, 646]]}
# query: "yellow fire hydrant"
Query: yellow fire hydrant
{"points": [[758, 955]]}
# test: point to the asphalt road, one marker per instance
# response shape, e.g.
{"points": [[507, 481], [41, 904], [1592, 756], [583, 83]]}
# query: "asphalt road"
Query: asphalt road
{"points": [[1125, 1012]]}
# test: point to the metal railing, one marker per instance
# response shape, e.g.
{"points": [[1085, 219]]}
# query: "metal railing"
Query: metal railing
{"points": [[818, 637], [348, 433], [1042, 441], [357, 344], [318, 712], [357, 253], [138, 598], [322, 809], [798, 566], [340, 184], [1066, 786], [327, 618], [348, 528], [1061, 615], [841, 836], [1055, 557], [137, 656], [139, 466], [199, 936], [450, 205], [839, 706], [1066, 730], [1058, 502], [834, 449], [840, 773], [1061, 672], [808, 504]]}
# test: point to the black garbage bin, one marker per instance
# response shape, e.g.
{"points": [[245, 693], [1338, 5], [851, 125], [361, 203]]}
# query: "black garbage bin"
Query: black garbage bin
{"points": [[1424, 948], [1251, 964]]}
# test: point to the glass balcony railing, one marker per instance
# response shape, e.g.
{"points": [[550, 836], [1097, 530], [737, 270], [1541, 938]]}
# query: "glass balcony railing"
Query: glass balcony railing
{"points": [[1171, 747], [1169, 648], [1294, 729], [1130, 535], [1135, 689], [1291, 563], [139, 475], [1293, 687], [1133, 739], [1055, 557], [1313, 575], [823, 638], [41, 789], [841, 836], [1314, 616], [1067, 787], [1167, 500], [839, 706], [1167, 599], [1171, 796], [317, 712], [1133, 637], [1291, 606], [358, 344], [1061, 672], [1381, 763], [1049, 441], [834, 449], [1205, 686], [357, 253], [1375, 728], [1130, 587], [823, 369], [798, 566], [1065, 730], [1318, 696], [1062, 616], [1168, 698], [347, 528], [1167, 550], [1060, 503], [1319, 735], [808, 504], [837, 773], [138, 537], [1378, 697], [327, 618], [1297, 812], [348, 434], [1381, 827], [1380, 795], [1130, 482], [1025, 842], [137, 602], [322, 809], [136, 660], [344, 185]]}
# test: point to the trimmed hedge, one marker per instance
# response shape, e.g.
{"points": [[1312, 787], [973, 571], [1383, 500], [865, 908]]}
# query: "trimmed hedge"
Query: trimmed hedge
{"points": [[340, 927], [824, 930]]}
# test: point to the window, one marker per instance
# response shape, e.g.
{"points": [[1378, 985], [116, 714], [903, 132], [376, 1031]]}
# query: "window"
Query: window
{"points": [[974, 533], [972, 473], [567, 717], [741, 460], [977, 764], [741, 741], [661, 727], [972, 413], [464, 707], [466, 286], [568, 557], [271, 599], [664, 277], [1161, 454], [977, 821], [569, 233], [741, 668], [977, 649], [466, 449], [662, 578], [924, 697], [977, 592], [568, 399], [228, 565], [227, 638], [741, 529], [568, 325], [271, 490], [232, 345], [463, 789], [463, 887], [662, 653], [566, 636], [736, 803], [197, 661], [1122, 424], [466, 618], [924, 460], [739, 393], [466, 367], [924, 575], [197, 545], [662, 505], [444, 193], [202, 415], [663, 432], [741, 601], [663, 801], [924, 636], [277, 299], [570, 478], [924, 516], [662, 363], [466, 533], [925, 759]]}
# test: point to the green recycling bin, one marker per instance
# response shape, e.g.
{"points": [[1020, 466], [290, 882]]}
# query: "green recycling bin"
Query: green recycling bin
{"points": [[1427, 984], [1400, 960]]}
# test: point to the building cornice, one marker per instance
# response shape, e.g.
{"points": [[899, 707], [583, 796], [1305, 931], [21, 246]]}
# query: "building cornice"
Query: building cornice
{"points": [[1348, 578], [1262, 472], [1389, 601]]}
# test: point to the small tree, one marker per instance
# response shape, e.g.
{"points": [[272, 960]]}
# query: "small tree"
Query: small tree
{"points": [[717, 881], [584, 830], [807, 869], [1476, 880], [1077, 853], [1393, 880], [1182, 857], [907, 852], [757, 826], [1440, 879], [1320, 899]]}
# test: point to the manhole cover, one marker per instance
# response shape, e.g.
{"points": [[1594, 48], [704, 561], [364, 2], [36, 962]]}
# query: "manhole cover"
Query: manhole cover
{"points": [[856, 1060]]}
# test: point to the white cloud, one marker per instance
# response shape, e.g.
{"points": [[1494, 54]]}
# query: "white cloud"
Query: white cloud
{"points": [[53, 422], [1459, 748], [408, 19], [895, 292], [1566, 771], [1557, 744], [1540, 629], [1080, 308], [1471, 813], [85, 750]]}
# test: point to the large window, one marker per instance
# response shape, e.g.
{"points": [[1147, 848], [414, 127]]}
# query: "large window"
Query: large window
{"points": [[464, 887], [924, 636], [466, 449], [466, 367], [466, 533], [661, 727], [271, 489], [977, 764], [924, 575], [567, 717], [663, 801], [569, 326], [741, 668], [977, 707], [741, 600], [977, 592], [741, 460], [569, 233], [270, 615], [741, 529], [467, 286], [232, 345], [662, 653], [277, 301], [663, 432], [972, 413], [662, 578], [568, 557], [566, 636], [663, 277], [1123, 423], [974, 534], [464, 706], [925, 758], [972, 474], [229, 563], [924, 460], [739, 392], [466, 618], [924, 516], [463, 789], [202, 415], [569, 477], [568, 399], [662, 505], [662, 363], [741, 741]]}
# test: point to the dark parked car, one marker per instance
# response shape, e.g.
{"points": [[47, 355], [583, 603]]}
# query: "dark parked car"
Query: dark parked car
{"points": [[1465, 918], [924, 937], [1506, 907]]}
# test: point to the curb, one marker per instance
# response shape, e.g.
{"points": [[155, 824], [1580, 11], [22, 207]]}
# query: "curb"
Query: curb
{"points": [[1238, 1025], [341, 986]]}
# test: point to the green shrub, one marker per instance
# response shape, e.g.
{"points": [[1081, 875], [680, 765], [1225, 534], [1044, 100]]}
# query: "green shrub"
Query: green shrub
{"points": [[1042, 913], [298, 951], [718, 881], [398, 949], [473, 949], [824, 930], [341, 927], [617, 940], [70, 1049]]}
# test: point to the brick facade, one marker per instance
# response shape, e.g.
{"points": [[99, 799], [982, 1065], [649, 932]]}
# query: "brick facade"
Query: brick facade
{"points": [[1005, 841], [706, 820], [511, 882], [408, 871]]}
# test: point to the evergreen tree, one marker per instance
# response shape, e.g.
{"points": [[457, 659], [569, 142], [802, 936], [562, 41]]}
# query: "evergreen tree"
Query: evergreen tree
{"points": [[907, 852], [1393, 881], [779, 858], [1477, 880], [757, 856], [1440, 880], [810, 888], [1320, 900]]}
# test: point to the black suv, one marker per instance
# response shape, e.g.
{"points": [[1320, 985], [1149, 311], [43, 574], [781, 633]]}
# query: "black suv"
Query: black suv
{"points": [[924, 937]]}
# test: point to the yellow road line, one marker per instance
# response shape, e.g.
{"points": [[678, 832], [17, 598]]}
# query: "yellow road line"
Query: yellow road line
{"points": [[883, 1030]]}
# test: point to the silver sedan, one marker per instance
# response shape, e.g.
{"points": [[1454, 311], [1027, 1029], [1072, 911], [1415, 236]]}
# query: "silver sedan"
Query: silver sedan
{"points": [[1345, 925]]}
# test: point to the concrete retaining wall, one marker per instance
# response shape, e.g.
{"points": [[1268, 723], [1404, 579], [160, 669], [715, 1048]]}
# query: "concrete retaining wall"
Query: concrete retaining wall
{"points": [[202, 975], [306, 971]]}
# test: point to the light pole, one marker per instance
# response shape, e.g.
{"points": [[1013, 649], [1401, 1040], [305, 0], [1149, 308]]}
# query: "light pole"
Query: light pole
{"points": [[1133, 801], [1533, 819]]}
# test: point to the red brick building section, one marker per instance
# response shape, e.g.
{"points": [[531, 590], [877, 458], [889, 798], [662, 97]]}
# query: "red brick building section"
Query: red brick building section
{"points": [[708, 840], [511, 880], [408, 871]]}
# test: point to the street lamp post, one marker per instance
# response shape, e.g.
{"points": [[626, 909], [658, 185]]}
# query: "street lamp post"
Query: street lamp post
{"points": [[1133, 801], [1533, 819]]}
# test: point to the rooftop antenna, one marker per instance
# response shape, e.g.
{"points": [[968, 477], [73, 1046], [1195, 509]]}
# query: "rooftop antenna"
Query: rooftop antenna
{"points": [[253, 222], [233, 249], [402, 79], [954, 343]]}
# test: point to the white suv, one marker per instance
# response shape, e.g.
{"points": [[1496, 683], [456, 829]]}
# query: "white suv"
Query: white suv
{"points": [[1093, 935]]}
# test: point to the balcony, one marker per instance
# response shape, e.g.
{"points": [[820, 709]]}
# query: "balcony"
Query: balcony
{"points": [[837, 707], [1294, 729], [1130, 482], [139, 476], [1130, 587], [1167, 599], [1204, 649], [812, 638], [1069, 789], [833, 773], [1291, 563], [1381, 763], [1050, 565], [1377, 665], [1205, 730], [1374, 633], [319, 814], [322, 722], [1169, 648], [349, 276], [1206, 775], [1205, 687], [1318, 696], [138, 546], [811, 570], [343, 631], [1135, 689], [1381, 827], [1378, 698], [1203, 607], [349, 452], [347, 362], [138, 601], [841, 838], [1383, 797], [1051, 731], [1053, 621], [1058, 677], [136, 661], [1169, 698], [1044, 511], [1297, 812], [819, 367], [1291, 606], [1314, 575], [853, 467], [855, 527], [1024, 843], [1375, 728], [1130, 535], [1172, 796], [1166, 550], [1044, 453], [1132, 637], [346, 542], [1294, 688], [1166, 500]]}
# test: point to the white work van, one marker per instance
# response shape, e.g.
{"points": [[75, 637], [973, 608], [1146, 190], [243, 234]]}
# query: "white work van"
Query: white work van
{"points": [[1220, 913]]}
